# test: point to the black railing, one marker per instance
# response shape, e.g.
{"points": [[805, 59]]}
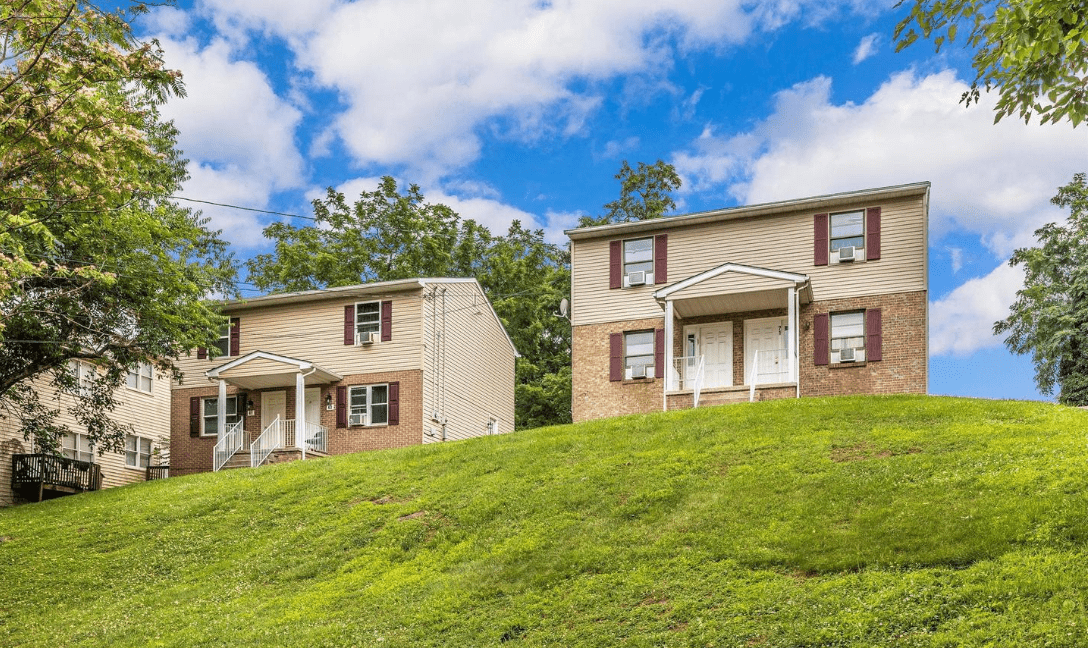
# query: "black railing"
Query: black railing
{"points": [[157, 472], [53, 472]]}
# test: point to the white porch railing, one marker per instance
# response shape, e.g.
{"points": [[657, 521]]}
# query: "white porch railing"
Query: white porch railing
{"points": [[684, 372], [270, 439], [227, 446], [765, 364], [317, 437], [280, 433]]}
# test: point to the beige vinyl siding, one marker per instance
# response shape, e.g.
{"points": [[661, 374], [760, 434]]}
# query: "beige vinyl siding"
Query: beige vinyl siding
{"points": [[777, 242], [314, 332], [148, 414], [472, 379]]}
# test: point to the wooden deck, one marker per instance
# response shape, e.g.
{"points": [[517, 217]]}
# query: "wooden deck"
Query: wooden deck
{"points": [[36, 477]]}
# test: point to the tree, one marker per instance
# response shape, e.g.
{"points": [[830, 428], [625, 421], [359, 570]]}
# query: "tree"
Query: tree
{"points": [[384, 235], [645, 193], [1049, 318], [1035, 52], [96, 263]]}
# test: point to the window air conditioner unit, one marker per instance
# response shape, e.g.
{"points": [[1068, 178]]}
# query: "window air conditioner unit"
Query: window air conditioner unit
{"points": [[638, 371], [357, 419], [369, 337], [846, 254], [846, 355], [636, 278]]}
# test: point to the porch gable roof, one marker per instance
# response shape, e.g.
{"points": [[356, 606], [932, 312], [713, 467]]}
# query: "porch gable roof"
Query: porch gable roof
{"points": [[262, 369], [771, 278]]}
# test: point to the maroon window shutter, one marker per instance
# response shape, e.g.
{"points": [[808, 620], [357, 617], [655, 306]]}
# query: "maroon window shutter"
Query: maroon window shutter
{"points": [[661, 258], [872, 233], [615, 357], [659, 353], [387, 321], [615, 250], [394, 403], [194, 416], [822, 338], [201, 353], [341, 407], [349, 325], [820, 238], [235, 335], [874, 338]]}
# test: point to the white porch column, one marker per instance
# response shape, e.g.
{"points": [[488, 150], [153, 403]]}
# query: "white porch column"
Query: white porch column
{"points": [[300, 413], [792, 339], [668, 356], [221, 410]]}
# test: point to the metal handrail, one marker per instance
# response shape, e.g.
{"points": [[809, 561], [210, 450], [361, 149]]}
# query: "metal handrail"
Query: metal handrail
{"points": [[755, 373], [270, 439], [684, 371], [225, 448], [317, 437], [698, 387]]}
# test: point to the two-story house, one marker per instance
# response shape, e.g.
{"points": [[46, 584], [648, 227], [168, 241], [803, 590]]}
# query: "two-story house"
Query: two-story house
{"points": [[341, 370], [817, 296], [26, 474]]}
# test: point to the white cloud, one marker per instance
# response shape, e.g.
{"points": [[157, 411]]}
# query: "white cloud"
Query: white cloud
{"points": [[238, 135], [866, 48], [962, 322], [419, 78], [615, 148], [957, 258], [991, 180]]}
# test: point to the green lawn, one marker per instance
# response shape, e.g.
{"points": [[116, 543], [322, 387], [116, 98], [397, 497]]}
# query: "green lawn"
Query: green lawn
{"points": [[887, 521]]}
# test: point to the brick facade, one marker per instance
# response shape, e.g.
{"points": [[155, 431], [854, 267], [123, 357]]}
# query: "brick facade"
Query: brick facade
{"points": [[194, 454], [593, 395], [903, 368]]}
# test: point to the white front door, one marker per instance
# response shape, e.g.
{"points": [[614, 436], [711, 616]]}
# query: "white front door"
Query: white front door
{"points": [[714, 343], [273, 404], [768, 337], [313, 406]]}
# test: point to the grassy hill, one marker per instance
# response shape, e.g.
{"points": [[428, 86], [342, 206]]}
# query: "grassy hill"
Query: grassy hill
{"points": [[892, 521]]}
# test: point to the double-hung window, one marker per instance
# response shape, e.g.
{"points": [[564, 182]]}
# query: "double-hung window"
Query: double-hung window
{"points": [[140, 378], [847, 231], [638, 262], [224, 340], [211, 415], [137, 451], [638, 354], [848, 337], [368, 405], [83, 373], [74, 445], [368, 320]]}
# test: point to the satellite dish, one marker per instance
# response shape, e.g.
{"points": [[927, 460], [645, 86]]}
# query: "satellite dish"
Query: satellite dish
{"points": [[564, 306]]}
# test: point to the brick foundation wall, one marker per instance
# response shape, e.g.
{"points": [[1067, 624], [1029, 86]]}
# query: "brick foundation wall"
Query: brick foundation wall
{"points": [[194, 454], [593, 395], [903, 369]]}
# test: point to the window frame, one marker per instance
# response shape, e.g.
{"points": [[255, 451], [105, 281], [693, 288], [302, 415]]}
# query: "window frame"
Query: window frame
{"points": [[137, 451], [624, 272], [832, 250], [238, 413], [83, 372], [74, 449], [133, 378], [369, 405], [650, 365], [859, 351], [377, 321]]}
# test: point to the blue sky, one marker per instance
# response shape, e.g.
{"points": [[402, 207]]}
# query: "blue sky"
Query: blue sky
{"points": [[525, 109]]}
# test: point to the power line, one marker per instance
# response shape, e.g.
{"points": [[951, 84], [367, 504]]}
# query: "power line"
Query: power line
{"points": [[252, 209]]}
